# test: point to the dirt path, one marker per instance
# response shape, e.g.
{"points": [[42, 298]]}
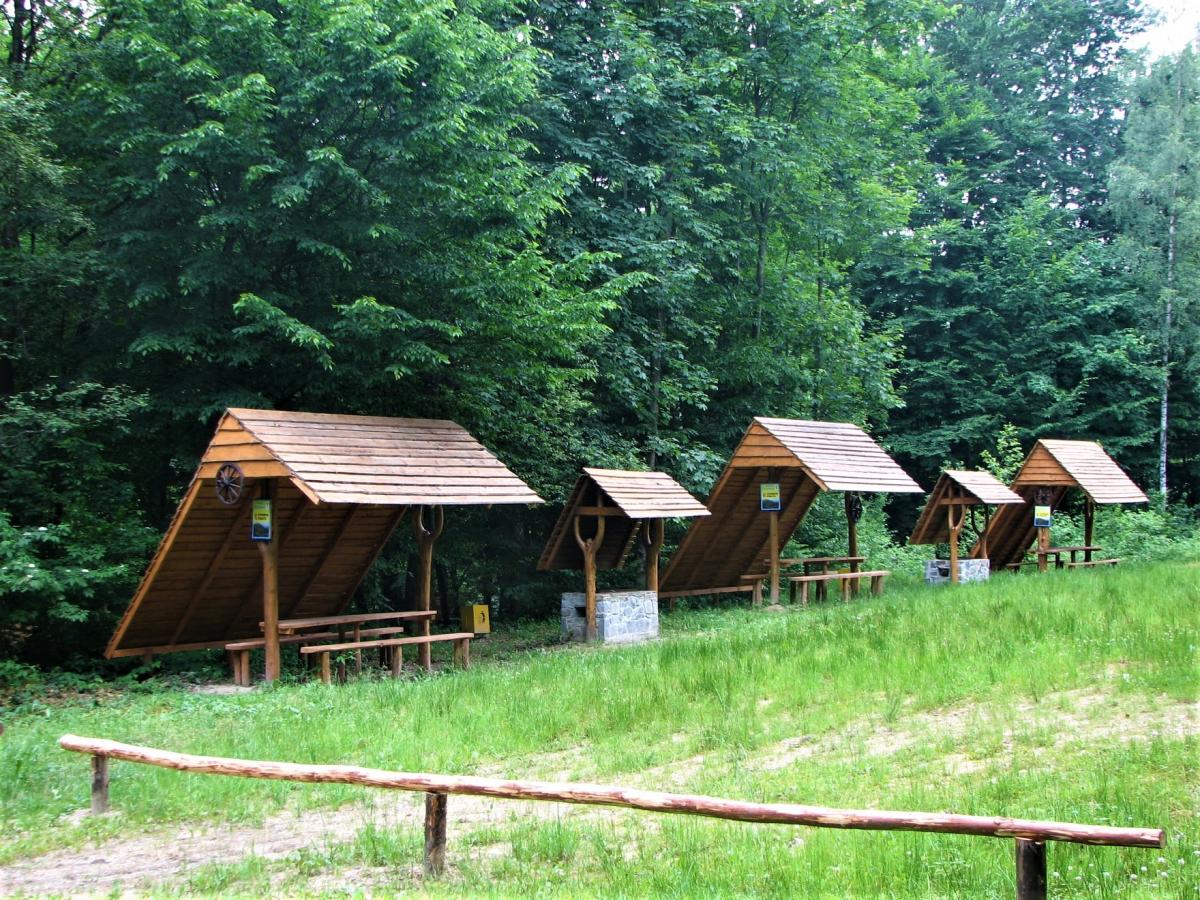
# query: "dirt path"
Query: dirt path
{"points": [[171, 855]]}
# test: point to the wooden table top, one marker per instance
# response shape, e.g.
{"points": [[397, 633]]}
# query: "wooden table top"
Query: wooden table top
{"points": [[813, 560], [353, 619], [1078, 549]]}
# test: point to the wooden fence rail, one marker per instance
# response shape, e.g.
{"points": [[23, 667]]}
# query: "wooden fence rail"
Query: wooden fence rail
{"points": [[1030, 835]]}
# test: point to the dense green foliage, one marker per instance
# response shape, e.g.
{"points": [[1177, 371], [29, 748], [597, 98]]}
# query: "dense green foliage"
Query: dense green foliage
{"points": [[591, 233]]}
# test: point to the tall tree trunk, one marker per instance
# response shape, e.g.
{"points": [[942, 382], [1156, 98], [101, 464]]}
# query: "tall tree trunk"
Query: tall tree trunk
{"points": [[1168, 310]]}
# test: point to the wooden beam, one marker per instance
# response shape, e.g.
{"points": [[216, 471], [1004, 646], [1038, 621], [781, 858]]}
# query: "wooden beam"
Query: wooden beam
{"points": [[630, 798], [589, 547], [269, 550], [1031, 869], [773, 532], [652, 536], [425, 538]]}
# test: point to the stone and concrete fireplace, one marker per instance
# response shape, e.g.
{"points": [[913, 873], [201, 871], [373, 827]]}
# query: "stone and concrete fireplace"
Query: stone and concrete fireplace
{"points": [[622, 617]]}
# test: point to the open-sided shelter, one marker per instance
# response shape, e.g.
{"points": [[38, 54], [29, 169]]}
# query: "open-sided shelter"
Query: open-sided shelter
{"points": [[338, 485], [626, 506], [956, 492], [802, 458], [1053, 468]]}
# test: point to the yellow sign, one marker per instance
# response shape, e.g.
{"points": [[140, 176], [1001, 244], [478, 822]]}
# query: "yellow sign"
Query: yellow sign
{"points": [[1041, 517], [260, 520], [768, 497]]}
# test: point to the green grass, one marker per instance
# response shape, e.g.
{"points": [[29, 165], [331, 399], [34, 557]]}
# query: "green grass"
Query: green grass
{"points": [[1034, 696]]}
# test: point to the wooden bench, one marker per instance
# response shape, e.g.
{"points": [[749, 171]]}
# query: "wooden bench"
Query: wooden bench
{"points": [[461, 639], [239, 651], [845, 578], [1085, 564]]}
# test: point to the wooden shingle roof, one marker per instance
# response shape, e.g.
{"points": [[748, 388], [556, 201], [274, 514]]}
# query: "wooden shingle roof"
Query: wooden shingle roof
{"points": [[372, 459], [1093, 471], [341, 484], [804, 458], [980, 487], [636, 495]]}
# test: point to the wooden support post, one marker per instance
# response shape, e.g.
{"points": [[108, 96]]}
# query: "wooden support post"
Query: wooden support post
{"points": [[397, 661], [425, 538], [1089, 523], [853, 511], [1043, 544], [326, 674], [653, 537], [270, 588], [462, 653], [983, 540], [955, 526], [99, 785], [773, 540], [435, 833], [590, 547], [1031, 870], [357, 653]]}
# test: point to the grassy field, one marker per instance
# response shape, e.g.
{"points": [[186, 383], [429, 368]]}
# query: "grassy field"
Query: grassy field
{"points": [[1068, 696]]}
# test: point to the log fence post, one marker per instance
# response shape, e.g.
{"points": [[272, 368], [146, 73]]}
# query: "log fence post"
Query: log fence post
{"points": [[435, 833], [1031, 870], [99, 785]]}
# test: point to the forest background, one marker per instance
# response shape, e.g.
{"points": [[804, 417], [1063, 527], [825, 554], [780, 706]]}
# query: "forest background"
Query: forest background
{"points": [[592, 233]]}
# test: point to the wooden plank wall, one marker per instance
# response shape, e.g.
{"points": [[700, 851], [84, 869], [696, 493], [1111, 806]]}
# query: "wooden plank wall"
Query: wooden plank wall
{"points": [[718, 550]]}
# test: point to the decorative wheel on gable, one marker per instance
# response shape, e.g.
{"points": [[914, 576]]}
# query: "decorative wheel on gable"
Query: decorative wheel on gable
{"points": [[230, 482]]}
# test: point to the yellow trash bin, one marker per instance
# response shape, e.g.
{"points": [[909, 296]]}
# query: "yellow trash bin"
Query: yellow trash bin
{"points": [[475, 618]]}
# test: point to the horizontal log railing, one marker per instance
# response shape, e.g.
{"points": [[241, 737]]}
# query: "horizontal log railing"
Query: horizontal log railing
{"points": [[1030, 835]]}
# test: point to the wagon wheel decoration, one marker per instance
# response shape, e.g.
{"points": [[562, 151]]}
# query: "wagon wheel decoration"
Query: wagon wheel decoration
{"points": [[230, 482]]}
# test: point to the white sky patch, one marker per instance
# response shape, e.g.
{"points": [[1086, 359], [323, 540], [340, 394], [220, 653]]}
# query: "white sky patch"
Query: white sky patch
{"points": [[1179, 23]]}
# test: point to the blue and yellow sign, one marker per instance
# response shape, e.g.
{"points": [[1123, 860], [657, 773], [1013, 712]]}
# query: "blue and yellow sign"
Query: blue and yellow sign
{"points": [[768, 497], [260, 520], [1041, 517]]}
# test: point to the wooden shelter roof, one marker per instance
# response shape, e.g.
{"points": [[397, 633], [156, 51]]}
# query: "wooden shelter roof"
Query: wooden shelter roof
{"points": [[633, 496], [1058, 466], [979, 487], [804, 458], [341, 484]]}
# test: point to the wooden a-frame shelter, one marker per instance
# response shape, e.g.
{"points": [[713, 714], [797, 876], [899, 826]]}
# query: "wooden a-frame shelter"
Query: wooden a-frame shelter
{"points": [[803, 458], [338, 485], [626, 506], [956, 492], [1052, 468]]}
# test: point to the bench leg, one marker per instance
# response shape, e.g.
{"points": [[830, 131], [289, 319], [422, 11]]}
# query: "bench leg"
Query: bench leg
{"points": [[803, 593], [357, 653], [326, 675], [756, 595], [846, 590], [341, 676], [462, 653], [876, 585], [244, 668], [423, 650], [397, 661]]}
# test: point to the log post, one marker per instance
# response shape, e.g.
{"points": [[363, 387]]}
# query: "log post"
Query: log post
{"points": [[435, 833], [853, 512], [1042, 497], [1031, 870], [1089, 522], [99, 785], [269, 550], [955, 527], [589, 547], [773, 531], [357, 653], [653, 537], [425, 538]]}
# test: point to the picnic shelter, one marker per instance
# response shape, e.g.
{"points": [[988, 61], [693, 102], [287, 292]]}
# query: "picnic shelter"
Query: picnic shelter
{"points": [[337, 486], [956, 493], [620, 508], [1050, 472], [774, 476]]}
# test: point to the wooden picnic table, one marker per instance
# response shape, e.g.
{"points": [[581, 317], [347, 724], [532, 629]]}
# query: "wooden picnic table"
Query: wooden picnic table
{"points": [[824, 562], [1057, 553], [353, 623]]}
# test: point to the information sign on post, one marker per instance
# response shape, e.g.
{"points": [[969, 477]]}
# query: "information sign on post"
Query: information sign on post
{"points": [[1041, 517], [260, 521], [768, 497]]}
